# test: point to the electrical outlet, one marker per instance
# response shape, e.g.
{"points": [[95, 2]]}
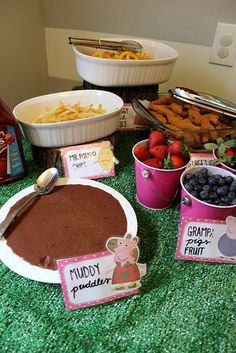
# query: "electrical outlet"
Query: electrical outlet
{"points": [[223, 51]]}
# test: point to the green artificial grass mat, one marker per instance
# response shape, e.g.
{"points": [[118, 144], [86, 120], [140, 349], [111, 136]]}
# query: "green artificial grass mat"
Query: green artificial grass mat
{"points": [[183, 306]]}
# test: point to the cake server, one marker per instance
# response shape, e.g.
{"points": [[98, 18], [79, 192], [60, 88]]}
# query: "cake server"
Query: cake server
{"points": [[43, 185]]}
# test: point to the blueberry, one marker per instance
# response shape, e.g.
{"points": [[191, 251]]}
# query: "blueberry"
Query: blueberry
{"points": [[213, 195], [193, 181], [217, 176], [225, 200], [204, 171], [231, 195], [202, 181], [226, 188], [198, 188], [212, 181], [188, 176], [198, 174], [194, 193], [220, 191], [209, 201], [204, 195], [206, 187], [233, 186], [221, 181], [229, 179], [233, 202], [188, 187], [217, 201]]}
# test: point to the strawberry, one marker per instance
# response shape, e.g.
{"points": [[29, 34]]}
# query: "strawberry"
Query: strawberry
{"points": [[177, 161], [141, 152], [230, 152], [154, 162], [178, 148], [156, 138], [159, 151]]}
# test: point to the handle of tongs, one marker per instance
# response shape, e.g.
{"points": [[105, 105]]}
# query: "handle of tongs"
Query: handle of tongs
{"points": [[106, 44]]}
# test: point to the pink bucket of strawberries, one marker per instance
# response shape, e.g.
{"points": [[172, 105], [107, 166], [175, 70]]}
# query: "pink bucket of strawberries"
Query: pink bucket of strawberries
{"points": [[159, 164], [224, 152]]}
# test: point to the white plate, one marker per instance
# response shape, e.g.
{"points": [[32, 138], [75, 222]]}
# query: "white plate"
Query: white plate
{"points": [[25, 269]]}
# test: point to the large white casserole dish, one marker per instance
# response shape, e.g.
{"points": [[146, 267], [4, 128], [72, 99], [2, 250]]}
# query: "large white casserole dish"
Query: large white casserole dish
{"points": [[70, 132], [111, 72]]}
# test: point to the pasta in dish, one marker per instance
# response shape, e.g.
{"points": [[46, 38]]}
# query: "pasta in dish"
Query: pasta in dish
{"points": [[125, 55]]}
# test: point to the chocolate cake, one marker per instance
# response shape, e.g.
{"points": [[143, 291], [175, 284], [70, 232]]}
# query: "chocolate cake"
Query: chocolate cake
{"points": [[72, 220]]}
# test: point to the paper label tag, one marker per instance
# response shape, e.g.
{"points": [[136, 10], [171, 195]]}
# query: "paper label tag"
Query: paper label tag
{"points": [[130, 121], [91, 161], [207, 240], [104, 276], [200, 159]]}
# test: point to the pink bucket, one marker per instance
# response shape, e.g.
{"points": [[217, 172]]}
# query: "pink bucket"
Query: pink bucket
{"points": [[192, 207], [156, 188], [225, 166]]}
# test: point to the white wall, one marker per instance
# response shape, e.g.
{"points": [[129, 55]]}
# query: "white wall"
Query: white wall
{"points": [[187, 25], [23, 66], [185, 21]]}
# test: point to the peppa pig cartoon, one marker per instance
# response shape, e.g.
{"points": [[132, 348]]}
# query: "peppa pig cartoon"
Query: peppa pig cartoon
{"points": [[126, 254], [227, 242]]}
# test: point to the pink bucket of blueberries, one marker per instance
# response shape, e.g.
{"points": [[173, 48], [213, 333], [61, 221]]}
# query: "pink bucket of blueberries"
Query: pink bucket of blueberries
{"points": [[208, 192], [156, 188]]}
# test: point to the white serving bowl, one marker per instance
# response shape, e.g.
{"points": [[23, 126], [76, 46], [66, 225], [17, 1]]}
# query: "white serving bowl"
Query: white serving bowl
{"points": [[112, 72], [70, 132]]}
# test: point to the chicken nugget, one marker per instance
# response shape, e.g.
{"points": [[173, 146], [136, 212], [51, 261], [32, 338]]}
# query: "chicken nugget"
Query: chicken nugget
{"points": [[188, 137], [160, 108], [180, 122], [206, 125], [159, 116], [176, 108], [167, 100], [195, 116], [191, 106], [213, 118]]}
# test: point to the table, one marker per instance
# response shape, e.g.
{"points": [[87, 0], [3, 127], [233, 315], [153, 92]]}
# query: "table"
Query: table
{"points": [[184, 307]]}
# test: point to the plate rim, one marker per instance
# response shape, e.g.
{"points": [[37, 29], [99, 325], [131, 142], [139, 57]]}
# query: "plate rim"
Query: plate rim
{"points": [[23, 268]]}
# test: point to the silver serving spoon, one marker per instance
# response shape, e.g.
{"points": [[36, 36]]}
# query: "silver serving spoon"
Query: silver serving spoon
{"points": [[43, 185]]}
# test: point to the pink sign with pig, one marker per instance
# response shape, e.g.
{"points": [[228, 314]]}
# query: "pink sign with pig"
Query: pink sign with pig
{"points": [[101, 277]]}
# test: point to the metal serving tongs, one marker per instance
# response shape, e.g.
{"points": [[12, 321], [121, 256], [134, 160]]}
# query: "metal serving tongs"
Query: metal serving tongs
{"points": [[140, 109], [204, 100], [130, 45]]}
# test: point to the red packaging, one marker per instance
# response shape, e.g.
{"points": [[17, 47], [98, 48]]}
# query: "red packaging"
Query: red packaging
{"points": [[12, 160]]}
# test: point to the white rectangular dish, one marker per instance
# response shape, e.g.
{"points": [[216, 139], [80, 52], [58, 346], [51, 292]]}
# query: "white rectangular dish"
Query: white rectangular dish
{"points": [[113, 72], [72, 132]]}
